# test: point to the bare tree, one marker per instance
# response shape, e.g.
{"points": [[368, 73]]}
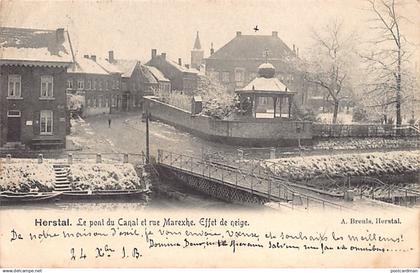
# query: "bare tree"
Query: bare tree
{"points": [[385, 63], [329, 62]]}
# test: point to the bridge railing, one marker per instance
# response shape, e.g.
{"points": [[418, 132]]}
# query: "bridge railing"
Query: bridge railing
{"points": [[249, 178]]}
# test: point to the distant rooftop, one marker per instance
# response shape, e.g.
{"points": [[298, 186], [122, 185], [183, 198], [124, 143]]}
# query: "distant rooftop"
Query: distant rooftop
{"points": [[255, 47], [157, 74], [86, 65], [35, 46]]}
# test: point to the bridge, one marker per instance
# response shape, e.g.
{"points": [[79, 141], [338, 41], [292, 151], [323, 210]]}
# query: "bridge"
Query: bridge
{"points": [[244, 182]]}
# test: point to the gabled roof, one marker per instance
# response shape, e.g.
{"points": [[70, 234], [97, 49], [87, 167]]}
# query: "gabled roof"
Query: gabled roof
{"points": [[126, 67], [157, 74], [254, 47], [146, 75], [107, 66], [35, 46], [182, 68], [87, 66]]}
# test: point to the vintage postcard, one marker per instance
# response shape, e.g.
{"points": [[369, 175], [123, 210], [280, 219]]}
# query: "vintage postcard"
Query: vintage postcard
{"points": [[210, 134]]}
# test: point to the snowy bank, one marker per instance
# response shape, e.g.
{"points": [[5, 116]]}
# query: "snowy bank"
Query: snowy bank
{"points": [[102, 176], [368, 164], [366, 143], [26, 176]]}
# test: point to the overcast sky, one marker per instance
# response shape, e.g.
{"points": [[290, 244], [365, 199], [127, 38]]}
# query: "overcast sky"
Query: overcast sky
{"points": [[132, 28]]}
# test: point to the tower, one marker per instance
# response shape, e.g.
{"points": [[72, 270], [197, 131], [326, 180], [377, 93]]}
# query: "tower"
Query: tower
{"points": [[197, 54]]}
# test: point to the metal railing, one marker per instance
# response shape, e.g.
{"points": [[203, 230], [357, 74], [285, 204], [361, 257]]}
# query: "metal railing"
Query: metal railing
{"points": [[249, 178], [363, 130]]}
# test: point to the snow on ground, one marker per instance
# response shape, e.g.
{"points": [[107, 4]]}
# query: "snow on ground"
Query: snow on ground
{"points": [[367, 164], [342, 118], [366, 143], [102, 176], [26, 176]]}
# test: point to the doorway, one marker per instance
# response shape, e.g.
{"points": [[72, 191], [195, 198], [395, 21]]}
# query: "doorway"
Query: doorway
{"points": [[13, 126]]}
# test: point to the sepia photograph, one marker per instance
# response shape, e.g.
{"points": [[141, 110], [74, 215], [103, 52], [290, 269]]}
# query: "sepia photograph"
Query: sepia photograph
{"points": [[210, 134]]}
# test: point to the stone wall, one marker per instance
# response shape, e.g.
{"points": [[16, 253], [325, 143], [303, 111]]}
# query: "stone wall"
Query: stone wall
{"points": [[247, 132]]}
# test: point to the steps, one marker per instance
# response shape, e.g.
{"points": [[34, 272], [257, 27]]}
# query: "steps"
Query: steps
{"points": [[62, 182]]}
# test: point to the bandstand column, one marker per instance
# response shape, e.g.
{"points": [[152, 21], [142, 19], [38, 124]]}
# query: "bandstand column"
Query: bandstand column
{"points": [[290, 104], [275, 105]]}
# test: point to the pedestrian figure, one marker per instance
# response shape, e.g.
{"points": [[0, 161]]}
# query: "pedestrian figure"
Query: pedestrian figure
{"points": [[109, 122]]}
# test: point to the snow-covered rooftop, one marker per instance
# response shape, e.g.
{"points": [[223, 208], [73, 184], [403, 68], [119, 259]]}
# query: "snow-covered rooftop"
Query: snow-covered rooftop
{"points": [[265, 85], [157, 74], [35, 45], [126, 67], [109, 67], [86, 65]]}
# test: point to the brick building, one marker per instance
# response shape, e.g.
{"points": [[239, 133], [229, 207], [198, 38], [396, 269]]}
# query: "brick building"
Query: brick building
{"points": [[33, 63], [94, 84], [182, 78], [164, 84], [236, 64], [136, 81]]}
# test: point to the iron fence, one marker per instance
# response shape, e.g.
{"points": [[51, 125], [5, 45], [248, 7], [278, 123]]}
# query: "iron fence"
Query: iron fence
{"points": [[245, 176]]}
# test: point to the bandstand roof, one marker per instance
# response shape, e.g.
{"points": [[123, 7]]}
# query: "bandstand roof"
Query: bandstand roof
{"points": [[266, 83]]}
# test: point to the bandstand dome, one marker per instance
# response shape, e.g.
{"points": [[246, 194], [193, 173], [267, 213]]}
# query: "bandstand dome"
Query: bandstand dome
{"points": [[266, 70]]}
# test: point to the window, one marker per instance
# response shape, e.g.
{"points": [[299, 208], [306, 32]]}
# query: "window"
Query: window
{"points": [[70, 84], [46, 86], [225, 77], [95, 84], [89, 84], [239, 76], [100, 85], [46, 122], [14, 86], [89, 102], [14, 113], [80, 84]]}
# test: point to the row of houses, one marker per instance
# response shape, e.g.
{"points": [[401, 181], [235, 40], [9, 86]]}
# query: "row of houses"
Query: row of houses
{"points": [[39, 71]]}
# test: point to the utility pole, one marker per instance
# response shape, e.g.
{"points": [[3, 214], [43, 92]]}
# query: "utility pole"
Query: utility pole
{"points": [[147, 136]]}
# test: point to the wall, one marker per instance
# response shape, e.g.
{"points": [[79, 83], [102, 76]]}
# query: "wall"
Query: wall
{"points": [[30, 104], [250, 132]]}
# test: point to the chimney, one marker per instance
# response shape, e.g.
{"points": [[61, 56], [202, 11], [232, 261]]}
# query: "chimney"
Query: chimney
{"points": [[86, 56], [275, 34], [60, 35], [211, 49], [154, 52], [238, 33], [111, 56], [180, 61], [93, 58], [294, 48], [163, 55]]}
